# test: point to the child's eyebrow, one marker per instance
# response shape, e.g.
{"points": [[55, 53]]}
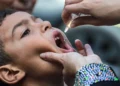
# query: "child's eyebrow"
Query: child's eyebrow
{"points": [[21, 23], [15, 27]]}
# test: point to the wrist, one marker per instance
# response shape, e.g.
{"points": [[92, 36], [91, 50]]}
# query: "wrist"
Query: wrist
{"points": [[93, 73]]}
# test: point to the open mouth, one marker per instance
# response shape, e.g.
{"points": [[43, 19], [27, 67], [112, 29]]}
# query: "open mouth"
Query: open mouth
{"points": [[60, 42]]}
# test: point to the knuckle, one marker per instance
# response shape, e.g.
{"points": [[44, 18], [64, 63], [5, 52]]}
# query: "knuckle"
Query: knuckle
{"points": [[87, 7], [64, 55], [49, 54], [62, 60]]}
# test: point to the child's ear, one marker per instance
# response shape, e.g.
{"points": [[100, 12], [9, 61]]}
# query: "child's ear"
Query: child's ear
{"points": [[10, 74]]}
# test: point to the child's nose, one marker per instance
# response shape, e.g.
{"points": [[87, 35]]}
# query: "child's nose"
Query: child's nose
{"points": [[46, 26]]}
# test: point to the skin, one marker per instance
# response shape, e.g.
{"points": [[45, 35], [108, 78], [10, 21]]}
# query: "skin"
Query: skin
{"points": [[17, 4], [25, 52], [101, 12], [72, 62]]}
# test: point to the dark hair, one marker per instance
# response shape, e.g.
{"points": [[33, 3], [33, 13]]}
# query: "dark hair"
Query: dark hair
{"points": [[4, 57]]}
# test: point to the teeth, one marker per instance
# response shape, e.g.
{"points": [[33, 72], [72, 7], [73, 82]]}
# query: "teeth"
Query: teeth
{"points": [[57, 38]]}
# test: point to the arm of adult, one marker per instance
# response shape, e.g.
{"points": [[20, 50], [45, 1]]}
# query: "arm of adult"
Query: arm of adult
{"points": [[103, 12]]}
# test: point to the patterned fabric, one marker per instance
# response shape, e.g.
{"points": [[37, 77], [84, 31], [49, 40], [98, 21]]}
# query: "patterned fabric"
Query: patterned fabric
{"points": [[93, 73]]}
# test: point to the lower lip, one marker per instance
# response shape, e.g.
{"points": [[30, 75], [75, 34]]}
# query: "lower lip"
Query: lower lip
{"points": [[69, 49]]}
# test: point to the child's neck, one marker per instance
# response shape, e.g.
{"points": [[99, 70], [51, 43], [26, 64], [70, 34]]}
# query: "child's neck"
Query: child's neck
{"points": [[49, 82]]}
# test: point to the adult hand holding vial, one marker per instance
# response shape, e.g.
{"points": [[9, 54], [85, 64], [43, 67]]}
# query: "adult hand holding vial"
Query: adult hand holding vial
{"points": [[103, 12]]}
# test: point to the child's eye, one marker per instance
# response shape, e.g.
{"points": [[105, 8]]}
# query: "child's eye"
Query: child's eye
{"points": [[27, 31]]}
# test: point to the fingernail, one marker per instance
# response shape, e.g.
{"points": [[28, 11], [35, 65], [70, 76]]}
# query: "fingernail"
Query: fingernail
{"points": [[77, 40], [87, 45], [42, 55]]}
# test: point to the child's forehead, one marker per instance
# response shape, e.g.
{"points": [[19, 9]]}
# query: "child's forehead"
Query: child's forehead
{"points": [[17, 16], [11, 20]]}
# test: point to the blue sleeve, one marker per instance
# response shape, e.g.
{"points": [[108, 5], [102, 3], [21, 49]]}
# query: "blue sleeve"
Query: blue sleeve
{"points": [[93, 73]]}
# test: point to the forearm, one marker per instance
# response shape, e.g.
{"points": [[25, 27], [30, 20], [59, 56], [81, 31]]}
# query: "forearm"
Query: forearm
{"points": [[94, 73]]}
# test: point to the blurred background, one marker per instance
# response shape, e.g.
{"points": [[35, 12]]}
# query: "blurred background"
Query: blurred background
{"points": [[105, 40]]}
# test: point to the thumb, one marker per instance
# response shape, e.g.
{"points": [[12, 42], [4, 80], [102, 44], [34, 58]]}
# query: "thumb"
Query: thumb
{"points": [[50, 56]]}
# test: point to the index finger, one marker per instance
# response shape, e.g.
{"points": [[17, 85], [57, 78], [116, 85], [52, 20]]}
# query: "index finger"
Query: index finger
{"points": [[50, 56], [66, 16]]}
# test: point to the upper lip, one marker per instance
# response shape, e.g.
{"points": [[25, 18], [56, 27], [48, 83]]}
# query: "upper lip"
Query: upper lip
{"points": [[60, 42]]}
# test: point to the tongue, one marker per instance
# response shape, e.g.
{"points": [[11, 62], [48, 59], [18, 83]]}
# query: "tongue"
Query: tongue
{"points": [[62, 46]]}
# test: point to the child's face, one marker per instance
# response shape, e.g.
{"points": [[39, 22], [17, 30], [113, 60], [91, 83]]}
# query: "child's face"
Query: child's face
{"points": [[25, 37]]}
